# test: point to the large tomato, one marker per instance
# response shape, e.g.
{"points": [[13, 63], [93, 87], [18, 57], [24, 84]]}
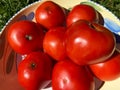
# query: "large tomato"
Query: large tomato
{"points": [[25, 36], [70, 76], [35, 71], [53, 43], [50, 14], [109, 70], [88, 43]]}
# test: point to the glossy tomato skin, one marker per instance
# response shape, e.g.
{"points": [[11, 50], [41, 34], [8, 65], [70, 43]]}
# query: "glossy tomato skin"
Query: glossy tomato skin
{"points": [[109, 70], [50, 14], [25, 36], [35, 71], [53, 43], [69, 76], [82, 12], [89, 43]]}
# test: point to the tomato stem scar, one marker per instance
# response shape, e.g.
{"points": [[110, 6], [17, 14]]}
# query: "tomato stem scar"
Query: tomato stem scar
{"points": [[28, 37]]}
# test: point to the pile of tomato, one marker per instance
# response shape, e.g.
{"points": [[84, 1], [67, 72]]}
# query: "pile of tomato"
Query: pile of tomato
{"points": [[66, 48]]}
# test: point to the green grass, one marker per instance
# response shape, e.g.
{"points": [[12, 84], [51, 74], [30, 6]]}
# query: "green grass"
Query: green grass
{"points": [[9, 7]]}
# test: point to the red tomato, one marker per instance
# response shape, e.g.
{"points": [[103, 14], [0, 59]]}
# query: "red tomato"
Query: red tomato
{"points": [[109, 70], [50, 14], [34, 72], [25, 36], [53, 43], [82, 12], [70, 76], [89, 43]]}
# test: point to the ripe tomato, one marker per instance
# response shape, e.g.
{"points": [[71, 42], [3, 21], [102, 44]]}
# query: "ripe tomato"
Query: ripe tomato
{"points": [[35, 71], [82, 12], [109, 70], [53, 43], [25, 36], [50, 14], [70, 76], [85, 41]]}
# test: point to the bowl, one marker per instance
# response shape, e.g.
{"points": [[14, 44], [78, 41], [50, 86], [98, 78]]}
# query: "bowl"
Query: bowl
{"points": [[9, 60]]}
